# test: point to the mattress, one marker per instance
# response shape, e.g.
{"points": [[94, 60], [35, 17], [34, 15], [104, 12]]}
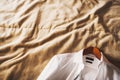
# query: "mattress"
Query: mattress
{"points": [[33, 31]]}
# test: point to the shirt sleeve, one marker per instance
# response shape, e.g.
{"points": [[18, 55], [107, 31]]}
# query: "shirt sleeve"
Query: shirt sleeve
{"points": [[50, 70]]}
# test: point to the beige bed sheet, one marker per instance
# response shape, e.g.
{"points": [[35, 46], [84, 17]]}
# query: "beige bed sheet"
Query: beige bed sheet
{"points": [[33, 31]]}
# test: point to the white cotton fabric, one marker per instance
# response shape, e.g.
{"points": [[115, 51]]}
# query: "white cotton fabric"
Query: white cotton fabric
{"points": [[74, 67]]}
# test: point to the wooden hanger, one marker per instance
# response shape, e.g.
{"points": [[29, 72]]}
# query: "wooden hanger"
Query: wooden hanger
{"points": [[92, 50]]}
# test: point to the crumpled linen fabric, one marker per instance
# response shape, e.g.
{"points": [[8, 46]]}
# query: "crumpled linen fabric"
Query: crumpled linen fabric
{"points": [[33, 31]]}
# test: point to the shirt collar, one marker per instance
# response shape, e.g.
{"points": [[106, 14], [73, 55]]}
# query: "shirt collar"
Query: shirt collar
{"points": [[95, 64]]}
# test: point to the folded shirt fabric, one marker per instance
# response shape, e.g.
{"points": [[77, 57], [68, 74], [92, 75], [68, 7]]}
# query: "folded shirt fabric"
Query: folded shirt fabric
{"points": [[76, 66]]}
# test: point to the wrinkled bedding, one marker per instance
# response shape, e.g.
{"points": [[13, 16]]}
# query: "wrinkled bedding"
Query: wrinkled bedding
{"points": [[33, 31]]}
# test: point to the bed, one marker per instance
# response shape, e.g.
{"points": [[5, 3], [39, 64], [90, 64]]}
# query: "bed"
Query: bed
{"points": [[33, 31]]}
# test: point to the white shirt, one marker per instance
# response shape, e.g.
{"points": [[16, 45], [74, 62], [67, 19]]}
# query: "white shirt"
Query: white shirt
{"points": [[75, 66]]}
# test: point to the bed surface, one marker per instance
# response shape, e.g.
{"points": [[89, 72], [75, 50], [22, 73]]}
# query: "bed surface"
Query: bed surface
{"points": [[33, 31]]}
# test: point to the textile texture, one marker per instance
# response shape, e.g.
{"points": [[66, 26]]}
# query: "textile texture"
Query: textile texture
{"points": [[33, 31]]}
